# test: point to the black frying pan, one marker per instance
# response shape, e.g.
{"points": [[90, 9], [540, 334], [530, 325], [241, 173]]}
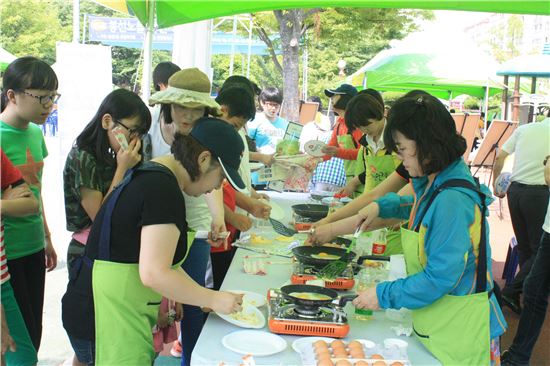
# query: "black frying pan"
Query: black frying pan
{"points": [[311, 211], [333, 295], [289, 289], [303, 255]]}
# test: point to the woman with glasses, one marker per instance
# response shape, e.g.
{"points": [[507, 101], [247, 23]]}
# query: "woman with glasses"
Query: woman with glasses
{"points": [[107, 147], [29, 90]]}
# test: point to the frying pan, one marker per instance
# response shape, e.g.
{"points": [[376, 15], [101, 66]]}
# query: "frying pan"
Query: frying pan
{"points": [[333, 295], [303, 255], [311, 211]]}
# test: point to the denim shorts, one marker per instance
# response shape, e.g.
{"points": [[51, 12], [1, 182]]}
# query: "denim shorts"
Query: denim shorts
{"points": [[84, 350]]}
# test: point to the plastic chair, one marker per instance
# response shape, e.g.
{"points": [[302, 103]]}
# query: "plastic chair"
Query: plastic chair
{"points": [[512, 262]]}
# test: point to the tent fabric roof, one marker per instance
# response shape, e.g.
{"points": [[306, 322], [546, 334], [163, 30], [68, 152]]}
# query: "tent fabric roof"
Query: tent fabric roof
{"points": [[527, 65], [442, 74], [172, 12]]}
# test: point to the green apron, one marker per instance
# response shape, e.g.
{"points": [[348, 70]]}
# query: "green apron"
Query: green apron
{"points": [[359, 169], [346, 142], [125, 309], [455, 329]]}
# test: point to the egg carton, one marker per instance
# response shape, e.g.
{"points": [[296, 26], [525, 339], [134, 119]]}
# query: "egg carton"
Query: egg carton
{"points": [[382, 357]]}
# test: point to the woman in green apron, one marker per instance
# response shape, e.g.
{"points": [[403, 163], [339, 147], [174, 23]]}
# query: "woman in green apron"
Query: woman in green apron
{"points": [[343, 143], [366, 114], [136, 246], [446, 243]]}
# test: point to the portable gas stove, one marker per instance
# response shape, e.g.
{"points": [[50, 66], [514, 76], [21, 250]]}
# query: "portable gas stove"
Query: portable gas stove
{"points": [[301, 273], [285, 317]]}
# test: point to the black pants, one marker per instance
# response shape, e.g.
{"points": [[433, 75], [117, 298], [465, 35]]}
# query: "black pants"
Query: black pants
{"points": [[535, 304], [28, 275], [527, 206], [220, 264]]}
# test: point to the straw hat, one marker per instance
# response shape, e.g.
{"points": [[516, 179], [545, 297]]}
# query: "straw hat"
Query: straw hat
{"points": [[189, 88]]}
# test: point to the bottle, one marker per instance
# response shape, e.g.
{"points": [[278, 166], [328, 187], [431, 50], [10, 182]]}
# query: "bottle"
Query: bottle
{"points": [[363, 244], [363, 283], [379, 241]]}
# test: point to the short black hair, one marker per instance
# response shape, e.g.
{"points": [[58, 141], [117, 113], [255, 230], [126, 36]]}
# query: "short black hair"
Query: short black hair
{"points": [[119, 103], [362, 108], [375, 93], [27, 73], [186, 150], [239, 100], [316, 99], [239, 79], [271, 94], [424, 119], [162, 73]]}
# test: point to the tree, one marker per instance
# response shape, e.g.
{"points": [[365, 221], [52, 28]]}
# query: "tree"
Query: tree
{"points": [[504, 39], [353, 34], [33, 29]]}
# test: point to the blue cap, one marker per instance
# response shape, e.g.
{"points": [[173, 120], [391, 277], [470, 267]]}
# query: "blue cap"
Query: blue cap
{"points": [[223, 141], [341, 90]]}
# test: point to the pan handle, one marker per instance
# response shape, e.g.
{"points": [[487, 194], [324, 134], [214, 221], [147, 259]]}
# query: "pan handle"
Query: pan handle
{"points": [[343, 300]]}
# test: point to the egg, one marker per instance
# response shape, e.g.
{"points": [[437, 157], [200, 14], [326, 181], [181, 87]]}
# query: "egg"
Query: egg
{"points": [[397, 363], [356, 353], [376, 356], [322, 352], [325, 363], [340, 353], [343, 363], [320, 343], [355, 344], [337, 343], [380, 363], [361, 363]]}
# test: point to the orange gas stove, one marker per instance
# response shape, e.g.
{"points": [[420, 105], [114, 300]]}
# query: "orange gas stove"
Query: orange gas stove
{"points": [[285, 317], [302, 273]]}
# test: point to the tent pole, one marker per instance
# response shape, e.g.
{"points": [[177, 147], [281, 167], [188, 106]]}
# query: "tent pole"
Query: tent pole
{"points": [[505, 99], [232, 60], [486, 108], [532, 108], [250, 25], [148, 53]]}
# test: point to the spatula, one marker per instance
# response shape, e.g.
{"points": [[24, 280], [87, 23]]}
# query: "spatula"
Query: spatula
{"points": [[335, 268], [284, 230]]}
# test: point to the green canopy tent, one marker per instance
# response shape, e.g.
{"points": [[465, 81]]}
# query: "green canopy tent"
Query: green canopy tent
{"points": [[443, 74], [166, 13], [5, 59]]}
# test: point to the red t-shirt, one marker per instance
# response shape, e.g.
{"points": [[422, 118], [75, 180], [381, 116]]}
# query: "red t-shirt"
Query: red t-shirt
{"points": [[10, 175], [341, 129], [229, 200]]}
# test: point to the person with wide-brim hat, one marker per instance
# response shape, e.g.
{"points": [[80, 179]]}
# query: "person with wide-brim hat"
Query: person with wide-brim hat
{"points": [[186, 99], [183, 102]]}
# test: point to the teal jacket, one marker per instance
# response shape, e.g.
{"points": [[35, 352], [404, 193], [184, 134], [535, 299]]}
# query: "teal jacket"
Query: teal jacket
{"points": [[449, 231]]}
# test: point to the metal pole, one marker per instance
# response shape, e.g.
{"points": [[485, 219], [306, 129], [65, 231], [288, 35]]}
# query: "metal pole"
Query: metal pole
{"points": [[232, 60], [505, 99], [251, 25], [76, 21], [486, 108], [305, 67], [148, 53], [84, 26]]}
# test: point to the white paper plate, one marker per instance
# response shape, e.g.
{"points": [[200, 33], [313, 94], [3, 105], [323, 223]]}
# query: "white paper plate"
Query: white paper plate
{"points": [[248, 310], [254, 342], [299, 344], [251, 298], [314, 148]]}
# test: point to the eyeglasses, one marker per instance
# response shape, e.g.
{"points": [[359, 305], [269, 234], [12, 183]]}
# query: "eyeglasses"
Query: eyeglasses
{"points": [[131, 131], [44, 99], [272, 104]]}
